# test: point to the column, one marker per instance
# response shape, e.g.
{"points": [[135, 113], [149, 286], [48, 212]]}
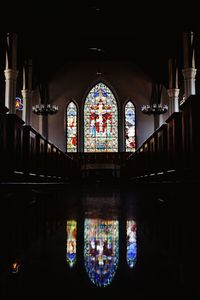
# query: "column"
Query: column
{"points": [[189, 81], [173, 90], [45, 126], [11, 72], [156, 121], [27, 91], [26, 112], [189, 70], [173, 100]]}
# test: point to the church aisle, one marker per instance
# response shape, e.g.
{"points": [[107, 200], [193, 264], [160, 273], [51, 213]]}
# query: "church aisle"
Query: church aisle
{"points": [[154, 221]]}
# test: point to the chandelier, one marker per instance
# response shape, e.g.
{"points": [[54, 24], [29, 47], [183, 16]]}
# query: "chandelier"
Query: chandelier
{"points": [[45, 109], [154, 109]]}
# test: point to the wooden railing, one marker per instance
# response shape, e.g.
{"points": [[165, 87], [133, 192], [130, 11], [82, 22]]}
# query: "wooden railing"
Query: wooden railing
{"points": [[24, 153], [173, 149]]}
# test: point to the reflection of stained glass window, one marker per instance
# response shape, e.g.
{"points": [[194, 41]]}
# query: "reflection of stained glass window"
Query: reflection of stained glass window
{"points": [[71, 127], [130, 127], [131, 255], [71, 231], [19, 103], [101, 250], [100, 120]]}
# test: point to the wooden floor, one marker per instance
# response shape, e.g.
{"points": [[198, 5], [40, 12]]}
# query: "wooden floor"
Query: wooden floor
{"points": [[33, 229]]}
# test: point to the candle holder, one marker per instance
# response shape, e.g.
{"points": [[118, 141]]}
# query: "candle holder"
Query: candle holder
{"points": [[155, 109], [45, 109]]}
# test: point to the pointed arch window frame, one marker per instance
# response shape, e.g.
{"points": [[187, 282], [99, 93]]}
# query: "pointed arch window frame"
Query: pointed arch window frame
{"points": [[117, 111], [124, 116], [77, 127]]}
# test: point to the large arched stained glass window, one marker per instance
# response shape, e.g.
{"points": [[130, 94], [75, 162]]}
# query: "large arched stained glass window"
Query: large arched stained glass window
{"points": [[131, 243], [100, 120], [130, 127], [71, 127], [101, 250]]}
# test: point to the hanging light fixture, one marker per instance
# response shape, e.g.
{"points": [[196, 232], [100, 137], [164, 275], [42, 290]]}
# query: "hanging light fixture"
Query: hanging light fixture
{"points": [[42, 109], [155, 107], [45, 108]]}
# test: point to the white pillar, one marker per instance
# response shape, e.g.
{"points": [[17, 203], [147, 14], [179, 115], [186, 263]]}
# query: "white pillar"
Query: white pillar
{"points": [[188, 50], [27, 100], [11, 51], [40, 120], [189, 70], [27, 92], [10, 89], [11, 72], [173, 100], [45, 131], [173, 73], [156, 118], [189, 75]]}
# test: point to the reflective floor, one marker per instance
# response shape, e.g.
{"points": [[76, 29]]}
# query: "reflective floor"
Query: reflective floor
{"points": [[97, 240]]}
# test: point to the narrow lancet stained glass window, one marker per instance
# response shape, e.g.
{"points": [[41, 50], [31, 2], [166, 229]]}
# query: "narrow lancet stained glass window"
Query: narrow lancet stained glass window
{"points": [[100, 120], [101, 250], [71, 232], [131, 253], [130, 127], [71, 127]]}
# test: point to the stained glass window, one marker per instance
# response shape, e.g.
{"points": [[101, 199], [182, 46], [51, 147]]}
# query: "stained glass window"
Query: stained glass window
{"points": [[18, 103], [71, 231], [131, 253], [101, 250], [100, 120], [71, 127], [130, 127]]}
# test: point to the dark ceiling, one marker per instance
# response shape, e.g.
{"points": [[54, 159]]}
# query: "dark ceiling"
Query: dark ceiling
{"points": [[145, 34]]}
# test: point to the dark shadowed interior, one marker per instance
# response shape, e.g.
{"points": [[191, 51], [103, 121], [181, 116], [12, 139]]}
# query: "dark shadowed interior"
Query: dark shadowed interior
{"points": [[99, 151]]}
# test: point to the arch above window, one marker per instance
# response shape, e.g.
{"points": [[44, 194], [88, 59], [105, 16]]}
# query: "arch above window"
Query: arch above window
{"points": [[130, 144], [100, 120], [72, 127]]}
